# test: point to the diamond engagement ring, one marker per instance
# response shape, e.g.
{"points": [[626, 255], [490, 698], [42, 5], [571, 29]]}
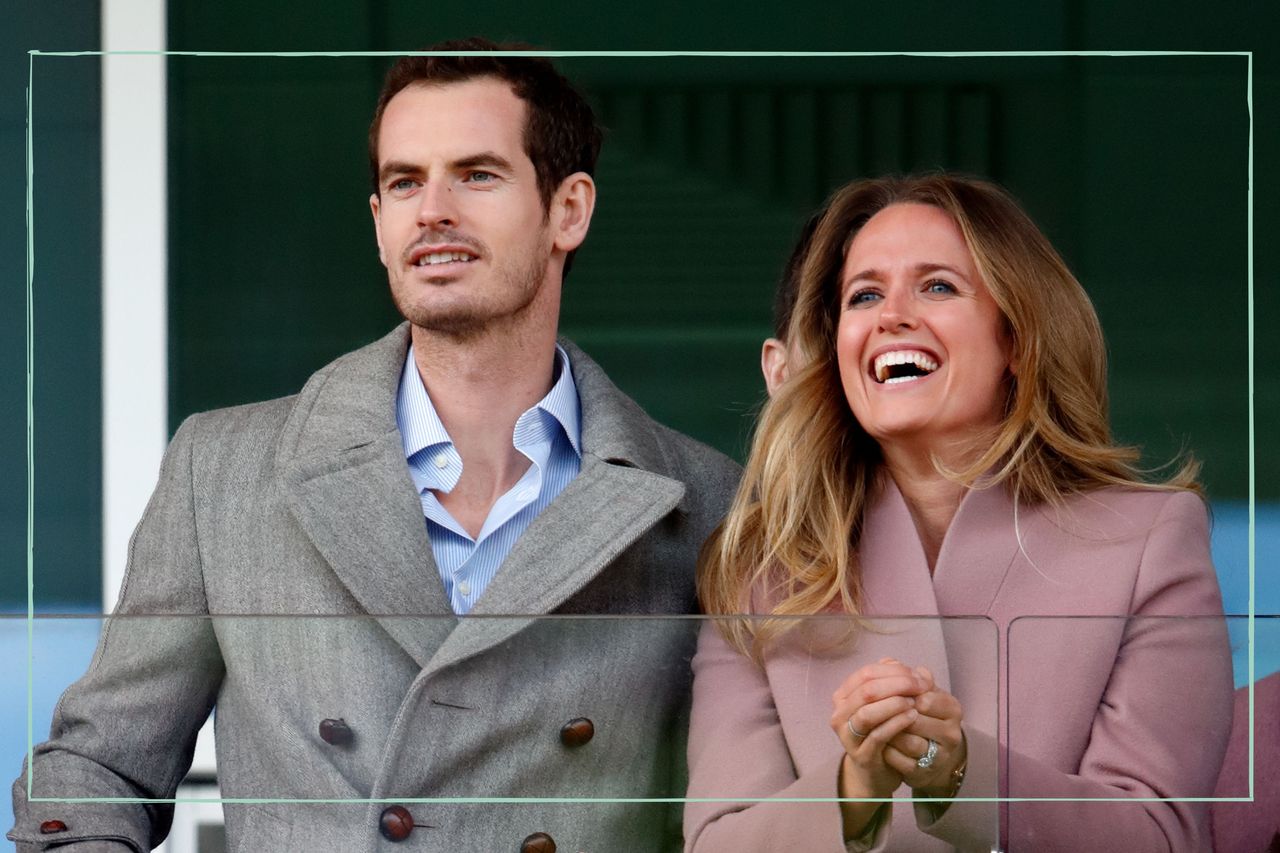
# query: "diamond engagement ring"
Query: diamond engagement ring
{"points": [[926, 760], [848, 724]]}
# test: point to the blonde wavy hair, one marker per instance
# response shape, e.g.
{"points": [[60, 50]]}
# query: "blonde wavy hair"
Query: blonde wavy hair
{"points": [[792, 533]]}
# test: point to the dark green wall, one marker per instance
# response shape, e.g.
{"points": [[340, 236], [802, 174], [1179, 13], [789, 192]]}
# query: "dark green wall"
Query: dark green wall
{"points": [[1136, 168], [1133, 166]]}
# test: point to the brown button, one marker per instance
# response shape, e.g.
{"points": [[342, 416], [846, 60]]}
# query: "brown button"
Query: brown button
{"points": [[51, 826], [539, 842], [577, 732], [396, 823], [336, 732]]}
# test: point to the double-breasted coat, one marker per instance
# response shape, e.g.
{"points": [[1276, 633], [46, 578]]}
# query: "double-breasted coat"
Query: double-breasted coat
{"points": [[282, 571]]}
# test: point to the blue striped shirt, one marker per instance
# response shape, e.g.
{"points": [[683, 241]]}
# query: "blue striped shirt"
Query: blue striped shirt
{"points": [[549, 434]]}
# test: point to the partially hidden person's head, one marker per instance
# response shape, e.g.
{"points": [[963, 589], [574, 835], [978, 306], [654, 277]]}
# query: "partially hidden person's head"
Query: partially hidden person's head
{"points": [[776, 361], [481, 168]]}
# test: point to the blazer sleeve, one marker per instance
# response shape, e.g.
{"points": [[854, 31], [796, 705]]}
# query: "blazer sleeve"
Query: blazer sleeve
{"points": [[1162, 726], [737, 750], [127, 728]]}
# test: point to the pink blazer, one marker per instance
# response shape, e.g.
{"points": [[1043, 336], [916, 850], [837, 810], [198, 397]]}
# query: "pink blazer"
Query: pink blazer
{"points": [[1083, 707]]}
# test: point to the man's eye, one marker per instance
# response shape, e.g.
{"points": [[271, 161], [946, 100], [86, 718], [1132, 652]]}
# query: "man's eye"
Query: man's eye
{"points": [[481, 177], [940, 286], [401, 184]]}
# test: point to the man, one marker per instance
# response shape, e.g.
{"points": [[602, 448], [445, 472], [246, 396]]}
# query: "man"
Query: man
{"points": [[464, 464]]}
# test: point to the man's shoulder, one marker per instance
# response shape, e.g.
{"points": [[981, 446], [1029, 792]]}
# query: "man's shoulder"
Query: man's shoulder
{"points": [[618, 429], [355, 386]]}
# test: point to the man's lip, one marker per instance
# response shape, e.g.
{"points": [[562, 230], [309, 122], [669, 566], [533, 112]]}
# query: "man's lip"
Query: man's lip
{"points": [[869, 368], [422, 251]]}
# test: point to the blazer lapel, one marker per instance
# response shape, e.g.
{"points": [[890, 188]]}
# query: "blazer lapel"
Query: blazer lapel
{"points": [[343, 472]]}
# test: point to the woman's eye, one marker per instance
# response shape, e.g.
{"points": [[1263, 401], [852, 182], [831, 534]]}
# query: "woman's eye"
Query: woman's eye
{"points": [[940, 286], [863, 297]]}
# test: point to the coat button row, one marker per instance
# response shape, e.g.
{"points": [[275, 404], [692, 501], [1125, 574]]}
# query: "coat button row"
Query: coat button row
{"points": [[51, 826], [336, 732], [577, 732], [396, 823]]}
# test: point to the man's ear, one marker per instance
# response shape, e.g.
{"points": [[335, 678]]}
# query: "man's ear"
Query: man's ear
{"points": [[570, 211], [374, 206], [773, 364]]}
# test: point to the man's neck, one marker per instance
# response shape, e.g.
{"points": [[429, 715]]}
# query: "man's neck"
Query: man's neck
{"points": [[479, 388]]}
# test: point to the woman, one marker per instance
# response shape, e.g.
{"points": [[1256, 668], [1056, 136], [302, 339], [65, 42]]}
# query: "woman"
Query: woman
{"points": [[943, 450]]}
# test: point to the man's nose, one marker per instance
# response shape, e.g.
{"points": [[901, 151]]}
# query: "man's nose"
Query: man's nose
{"points": [[437, 206]]}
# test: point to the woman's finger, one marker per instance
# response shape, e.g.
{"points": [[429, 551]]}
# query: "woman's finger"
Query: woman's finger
{"points": [[858, 720], [908, 743], [871, 747], [884, 669], [940, 705]]}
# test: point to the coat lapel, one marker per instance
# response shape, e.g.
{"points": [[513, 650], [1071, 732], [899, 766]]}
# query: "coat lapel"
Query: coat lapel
{"points": [[976, 556], [978, 552], [341, 466], [343, 472], [617, 496]]}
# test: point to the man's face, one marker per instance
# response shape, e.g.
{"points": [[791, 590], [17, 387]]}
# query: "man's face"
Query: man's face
{"points": [[461, 228]]}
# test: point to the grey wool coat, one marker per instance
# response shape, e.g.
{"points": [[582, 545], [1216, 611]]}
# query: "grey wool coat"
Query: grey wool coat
{"points": [[282, 571]]}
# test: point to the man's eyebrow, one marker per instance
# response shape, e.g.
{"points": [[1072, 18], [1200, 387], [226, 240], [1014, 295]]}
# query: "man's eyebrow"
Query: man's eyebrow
{"points": [[397, 167], [482, 160], [489, 159]]}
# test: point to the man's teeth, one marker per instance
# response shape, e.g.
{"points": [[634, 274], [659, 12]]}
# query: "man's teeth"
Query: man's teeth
{"points": [[442, 258], [885, 361]]}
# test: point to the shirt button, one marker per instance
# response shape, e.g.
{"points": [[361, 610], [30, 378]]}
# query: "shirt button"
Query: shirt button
{"points": [[442, 461], [464, 588]]}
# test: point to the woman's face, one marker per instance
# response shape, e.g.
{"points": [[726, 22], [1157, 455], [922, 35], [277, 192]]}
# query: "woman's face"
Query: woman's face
{"points": [[921, 345]]}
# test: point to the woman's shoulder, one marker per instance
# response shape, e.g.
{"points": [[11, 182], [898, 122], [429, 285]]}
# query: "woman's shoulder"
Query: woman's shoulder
{"points": [[1121, 512]]}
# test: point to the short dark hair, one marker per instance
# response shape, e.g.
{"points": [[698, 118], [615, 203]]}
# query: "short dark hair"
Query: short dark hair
{"points": [[560, 133], [784, 298]]}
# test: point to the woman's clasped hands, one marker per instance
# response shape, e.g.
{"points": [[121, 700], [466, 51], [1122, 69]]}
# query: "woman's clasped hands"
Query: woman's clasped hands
{"points": [[897, 725]]}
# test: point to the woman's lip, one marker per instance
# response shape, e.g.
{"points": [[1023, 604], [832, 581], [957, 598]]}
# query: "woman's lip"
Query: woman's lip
{"points": [[870, 366]]}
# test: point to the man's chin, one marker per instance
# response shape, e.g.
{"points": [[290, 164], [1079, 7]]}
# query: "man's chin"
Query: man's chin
{"points": [[456, 325]]}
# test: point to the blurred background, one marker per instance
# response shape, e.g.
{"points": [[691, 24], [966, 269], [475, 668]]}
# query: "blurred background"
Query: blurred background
{"points": [[1137, 167]]}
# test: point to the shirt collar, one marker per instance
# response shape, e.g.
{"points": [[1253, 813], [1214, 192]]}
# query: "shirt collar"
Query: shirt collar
{"points": [[421, 427]]}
